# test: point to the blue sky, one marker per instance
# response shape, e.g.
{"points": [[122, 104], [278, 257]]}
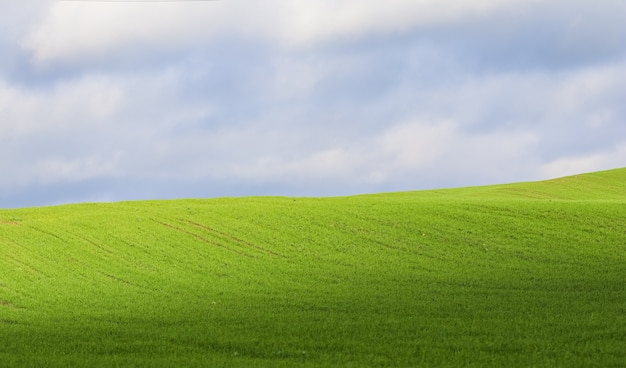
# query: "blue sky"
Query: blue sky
{"points": [[120, 101]]}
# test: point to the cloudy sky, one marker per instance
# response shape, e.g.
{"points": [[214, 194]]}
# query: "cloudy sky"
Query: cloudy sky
{"points": [[108, 101]]}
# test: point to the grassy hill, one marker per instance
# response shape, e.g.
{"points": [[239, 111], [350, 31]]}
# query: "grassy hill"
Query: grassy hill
{"points": [[527, 274]]}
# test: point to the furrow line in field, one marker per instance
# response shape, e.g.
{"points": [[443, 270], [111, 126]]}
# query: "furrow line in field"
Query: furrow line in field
{"points": [[10, 240], [26, 265], [118, 279], [198, 237], [233, 238], [96, 245], [48, 233], [7, 304]]}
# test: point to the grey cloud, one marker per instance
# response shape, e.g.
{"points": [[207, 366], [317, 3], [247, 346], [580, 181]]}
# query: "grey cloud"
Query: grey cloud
{"points": [[549, 36]]}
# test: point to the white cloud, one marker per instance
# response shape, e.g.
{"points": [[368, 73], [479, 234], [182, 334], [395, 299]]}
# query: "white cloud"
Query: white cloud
{"points": [[576, 164], [400, 157], [61, 108], [298, 95], [18, 17], [68, 169], [48, 135], [336, 164], [412, 146], [72, 30], [94, 126]]}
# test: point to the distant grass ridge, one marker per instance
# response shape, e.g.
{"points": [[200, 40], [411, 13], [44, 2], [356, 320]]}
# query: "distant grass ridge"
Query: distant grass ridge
{"points": [[525, 274], [606, 185]]}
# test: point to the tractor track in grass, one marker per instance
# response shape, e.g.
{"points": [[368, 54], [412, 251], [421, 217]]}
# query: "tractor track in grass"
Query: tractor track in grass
{"points": [[104, 249], [232, 238], [7, 304], [50, 234], [202, 239], [26, 265], [117, 279]]}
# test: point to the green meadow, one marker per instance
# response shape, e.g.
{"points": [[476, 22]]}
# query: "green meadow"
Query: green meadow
{"points": [[527, 274]]}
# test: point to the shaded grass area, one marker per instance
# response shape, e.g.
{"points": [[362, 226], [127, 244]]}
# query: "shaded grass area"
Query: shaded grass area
{"points": [[528, 274]]}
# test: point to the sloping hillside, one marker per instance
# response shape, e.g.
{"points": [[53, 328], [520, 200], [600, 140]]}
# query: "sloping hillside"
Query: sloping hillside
{"points": [[607, 185], [508, 275]]}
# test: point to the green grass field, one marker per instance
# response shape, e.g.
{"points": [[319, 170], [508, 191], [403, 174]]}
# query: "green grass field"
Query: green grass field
{"points": [[528, 274]]}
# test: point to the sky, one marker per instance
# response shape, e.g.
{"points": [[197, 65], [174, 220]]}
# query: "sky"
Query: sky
{"points": [[111, 101]]}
